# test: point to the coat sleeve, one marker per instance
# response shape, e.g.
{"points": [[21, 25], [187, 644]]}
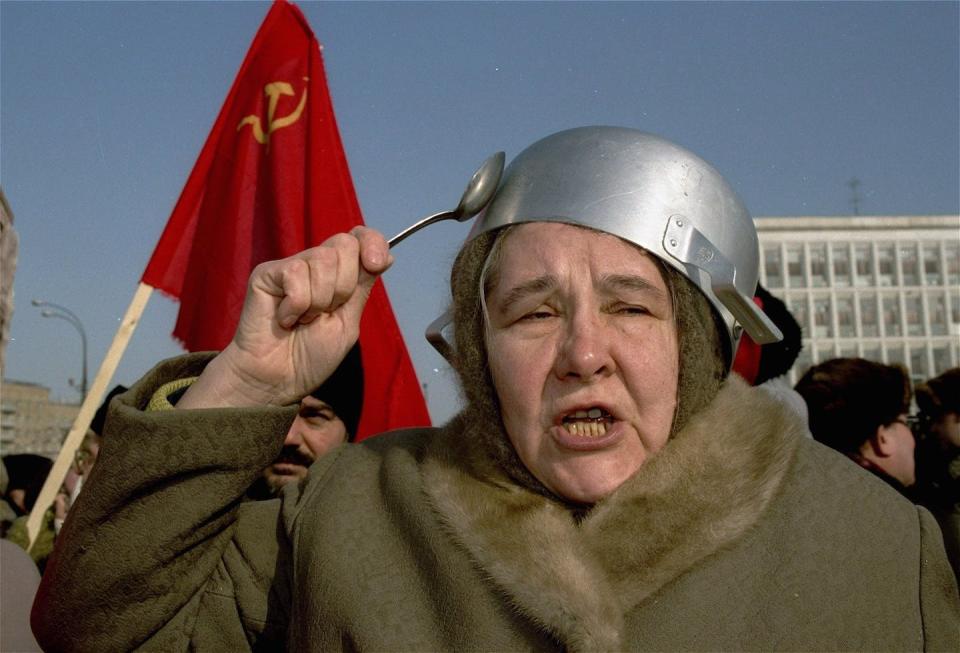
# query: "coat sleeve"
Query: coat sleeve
{"points": [[939, 598], [157, 553]]}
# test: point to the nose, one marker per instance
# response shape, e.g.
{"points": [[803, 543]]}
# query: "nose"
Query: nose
{"points": [[293, 439], [584, 353]]}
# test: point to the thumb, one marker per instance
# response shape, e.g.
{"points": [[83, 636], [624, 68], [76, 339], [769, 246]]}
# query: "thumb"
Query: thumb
{"points": [[375, 259]]}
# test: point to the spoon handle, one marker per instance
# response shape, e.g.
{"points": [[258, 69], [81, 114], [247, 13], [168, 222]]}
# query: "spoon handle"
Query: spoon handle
{"points": [[417, 226]]}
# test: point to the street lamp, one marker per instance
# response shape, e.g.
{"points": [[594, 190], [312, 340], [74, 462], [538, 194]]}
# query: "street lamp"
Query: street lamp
{"points": [[64, 313]]}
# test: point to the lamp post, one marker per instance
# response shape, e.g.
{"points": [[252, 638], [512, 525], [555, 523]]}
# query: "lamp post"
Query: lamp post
{"points": [[64, 313]]}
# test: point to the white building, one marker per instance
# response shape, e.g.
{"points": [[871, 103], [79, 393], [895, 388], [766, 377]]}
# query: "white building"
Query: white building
{"points": [[32, 422], [886, 288]]}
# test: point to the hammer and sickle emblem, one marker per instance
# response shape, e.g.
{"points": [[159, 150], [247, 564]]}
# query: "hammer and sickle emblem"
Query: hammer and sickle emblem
{"points": [[274, 90]]}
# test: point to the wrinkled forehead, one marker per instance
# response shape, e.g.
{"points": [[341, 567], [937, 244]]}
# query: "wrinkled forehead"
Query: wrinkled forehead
{"points": [[550, 249]]}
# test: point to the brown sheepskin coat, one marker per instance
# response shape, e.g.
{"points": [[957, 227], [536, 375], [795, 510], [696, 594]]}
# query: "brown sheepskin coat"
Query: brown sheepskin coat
{"points": [[742, 534]]}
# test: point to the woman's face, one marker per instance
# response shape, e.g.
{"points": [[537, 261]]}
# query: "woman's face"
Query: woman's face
{"points": [[584, 357]]}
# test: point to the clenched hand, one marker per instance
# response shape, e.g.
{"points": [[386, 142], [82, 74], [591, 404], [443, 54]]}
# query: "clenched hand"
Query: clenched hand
{"points": [[300, 318]]}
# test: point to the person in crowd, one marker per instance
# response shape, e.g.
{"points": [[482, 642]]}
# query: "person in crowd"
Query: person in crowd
{"points": [[54, 517], [938, 456], [7, 512], [766, 366], [327, 418], [861, 409], [26, 473], [84, 458], [608, 485]]}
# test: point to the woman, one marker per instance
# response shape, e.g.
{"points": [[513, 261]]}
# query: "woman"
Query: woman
{"points": [[605, 488], [860, 408]]}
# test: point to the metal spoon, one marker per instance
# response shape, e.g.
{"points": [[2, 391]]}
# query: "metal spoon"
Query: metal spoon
{"points": [[476, 196]]}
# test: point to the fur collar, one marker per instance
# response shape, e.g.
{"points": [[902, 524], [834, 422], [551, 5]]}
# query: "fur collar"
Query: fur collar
{"points": [[701, 493]]}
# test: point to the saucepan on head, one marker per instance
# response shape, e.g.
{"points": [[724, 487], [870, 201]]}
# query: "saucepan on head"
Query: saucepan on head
{"points": [[647, 191]]}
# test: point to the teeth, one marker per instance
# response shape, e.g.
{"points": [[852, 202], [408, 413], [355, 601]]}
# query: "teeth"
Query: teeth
{"points": [[586, 429], [587, 423]]}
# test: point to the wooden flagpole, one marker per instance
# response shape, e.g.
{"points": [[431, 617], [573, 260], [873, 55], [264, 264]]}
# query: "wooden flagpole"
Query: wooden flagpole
{"points": [[89, 407]]}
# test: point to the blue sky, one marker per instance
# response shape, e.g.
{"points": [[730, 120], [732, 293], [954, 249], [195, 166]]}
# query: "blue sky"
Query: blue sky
{"points": [[104, 107]]}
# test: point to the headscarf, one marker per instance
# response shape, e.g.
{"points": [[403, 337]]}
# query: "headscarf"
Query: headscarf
{"points": [[702, 367]]}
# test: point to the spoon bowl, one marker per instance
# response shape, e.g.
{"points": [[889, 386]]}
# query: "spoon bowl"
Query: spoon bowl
{"points": [[477, 195]]}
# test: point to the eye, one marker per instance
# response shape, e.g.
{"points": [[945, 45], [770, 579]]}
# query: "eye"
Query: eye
{"points": [[540, 314], [316, 415], [629, 309]]}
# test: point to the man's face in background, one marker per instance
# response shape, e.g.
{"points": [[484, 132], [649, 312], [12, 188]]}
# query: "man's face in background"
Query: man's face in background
{"points": [[315, 431]]}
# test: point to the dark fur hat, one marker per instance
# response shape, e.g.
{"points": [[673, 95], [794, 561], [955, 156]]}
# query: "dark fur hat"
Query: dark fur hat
{"points": [[343, 391]]}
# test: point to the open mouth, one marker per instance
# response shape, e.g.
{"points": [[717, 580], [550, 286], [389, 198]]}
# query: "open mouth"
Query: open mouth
{"points": [[590, 423]]}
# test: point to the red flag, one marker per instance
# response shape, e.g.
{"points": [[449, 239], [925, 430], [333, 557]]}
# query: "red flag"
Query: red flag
{"points": [[272, 180]]}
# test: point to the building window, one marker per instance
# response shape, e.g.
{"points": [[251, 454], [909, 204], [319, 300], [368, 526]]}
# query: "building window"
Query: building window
{"points": [[795, 265], [891, 315], [848, 351], [918, 362], [955, 312], [825, 352], [841, 265], [773, 266], [845, 320], [872, 353], [818, 265], [914, 308], [886, 264], [938, 314], [895, 354], [941, 359], [909, 265], [931, 264], [863, 255], [869, 325], [822, 323], [951, 252]]}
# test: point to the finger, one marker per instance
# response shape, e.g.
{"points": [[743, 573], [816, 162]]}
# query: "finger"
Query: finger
{"points": [[374, 259], [363, 255], [375, 253], [321, 279], [265, 291], [291, 279], [348, 270], [332, 275]]}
